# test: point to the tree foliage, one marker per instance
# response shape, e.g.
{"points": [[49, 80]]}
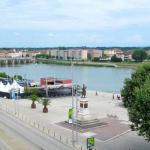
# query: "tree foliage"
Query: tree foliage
{"points": [[18, 77], [148, 57], [136, 97], [137, 79], [3, 75], [139, 113], [45, 102], [34, 97], [114, 58], [139, 55], [42, 56]]}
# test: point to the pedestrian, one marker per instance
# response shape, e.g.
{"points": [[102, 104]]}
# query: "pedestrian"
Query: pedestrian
{"points": [[96, 93], [113, 96], [118, 97]]}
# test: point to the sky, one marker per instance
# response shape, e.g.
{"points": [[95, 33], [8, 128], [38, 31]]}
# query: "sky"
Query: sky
{"points": [[95, 23]]}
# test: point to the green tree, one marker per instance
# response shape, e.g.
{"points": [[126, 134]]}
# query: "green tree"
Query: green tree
{"points": [[114, 58], [137, 79], [148, 57], [96, 59], [46, 56], [34, 98], [139, 55], [136, 97], [139, 112], [45, 103], [18, 77], [3, 75], [33, 91]]}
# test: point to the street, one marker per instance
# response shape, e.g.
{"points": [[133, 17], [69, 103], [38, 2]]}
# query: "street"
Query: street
{"points": [[30, 136]]}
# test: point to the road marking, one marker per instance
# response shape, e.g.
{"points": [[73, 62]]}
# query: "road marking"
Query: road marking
{"points": [[114, 137]]}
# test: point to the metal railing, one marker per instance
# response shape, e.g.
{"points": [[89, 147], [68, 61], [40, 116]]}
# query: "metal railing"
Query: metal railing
{"points": [[39, 126]]}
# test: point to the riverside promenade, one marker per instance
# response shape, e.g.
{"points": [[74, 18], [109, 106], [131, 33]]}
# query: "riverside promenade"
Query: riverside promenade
{"points": [[116, 135]]}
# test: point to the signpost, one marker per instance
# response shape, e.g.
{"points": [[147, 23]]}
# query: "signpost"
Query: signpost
{"points": [[13, 95], [70, 115], [90, 143]]}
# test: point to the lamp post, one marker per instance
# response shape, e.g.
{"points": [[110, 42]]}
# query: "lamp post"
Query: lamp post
{"points": [[75, 109], [46, 88], [73, 138], [77, 99]]}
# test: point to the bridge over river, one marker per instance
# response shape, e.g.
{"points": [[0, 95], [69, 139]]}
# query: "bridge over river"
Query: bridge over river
{"points": [[16, 60]]}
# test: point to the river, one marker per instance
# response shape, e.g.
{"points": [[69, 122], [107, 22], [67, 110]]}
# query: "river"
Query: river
{"points": [[95, 78]]}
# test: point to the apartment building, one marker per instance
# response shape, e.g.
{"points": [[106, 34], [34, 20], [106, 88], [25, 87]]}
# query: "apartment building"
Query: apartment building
{"points": [[75, 54], [3, 54], [95, 53], [14, 54], [111, 52], [124, 55]]}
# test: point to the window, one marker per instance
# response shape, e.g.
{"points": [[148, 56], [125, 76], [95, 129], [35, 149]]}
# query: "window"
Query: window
{"points": [[81, 105], [86, 105]]}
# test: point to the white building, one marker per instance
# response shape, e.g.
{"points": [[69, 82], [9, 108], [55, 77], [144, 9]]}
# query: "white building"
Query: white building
{"points": [[95, 53], [75, 54], [15, 54]]}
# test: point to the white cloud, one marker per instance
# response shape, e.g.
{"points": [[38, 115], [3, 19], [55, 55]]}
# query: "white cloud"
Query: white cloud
{"points": [[73, 15]]}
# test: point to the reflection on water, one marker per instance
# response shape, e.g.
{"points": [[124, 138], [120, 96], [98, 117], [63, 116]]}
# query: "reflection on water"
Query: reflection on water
{"points": [[95, 78]]}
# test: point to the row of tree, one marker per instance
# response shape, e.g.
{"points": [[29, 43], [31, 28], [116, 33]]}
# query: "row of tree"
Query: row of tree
{"points": [[16, 77]]}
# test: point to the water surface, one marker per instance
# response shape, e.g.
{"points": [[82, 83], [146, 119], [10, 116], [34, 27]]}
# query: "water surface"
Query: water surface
{"points": [[96, 78]]}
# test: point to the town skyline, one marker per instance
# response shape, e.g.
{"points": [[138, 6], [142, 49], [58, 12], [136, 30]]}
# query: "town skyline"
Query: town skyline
{"points": [[46, 23]]}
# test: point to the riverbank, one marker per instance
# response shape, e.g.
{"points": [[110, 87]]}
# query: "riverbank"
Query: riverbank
{"points": [[77, 63], [133, 65]]}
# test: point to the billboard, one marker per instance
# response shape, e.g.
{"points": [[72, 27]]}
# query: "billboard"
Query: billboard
{"points": [[90, 142]]}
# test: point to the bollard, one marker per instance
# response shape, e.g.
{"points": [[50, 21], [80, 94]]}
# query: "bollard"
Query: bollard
{"points": [[66, 140], [54, 133], [28, 121], [25, 119], [31, 122], [48, 131], [60, 138]]}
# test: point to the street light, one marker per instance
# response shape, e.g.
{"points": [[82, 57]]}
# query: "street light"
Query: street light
{"points": [[73, 139], [75, 108], [46, 88], [77, 99]]}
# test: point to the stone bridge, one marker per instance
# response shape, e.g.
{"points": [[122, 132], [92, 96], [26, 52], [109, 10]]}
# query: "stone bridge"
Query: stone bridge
{"points": [[16, 60]]}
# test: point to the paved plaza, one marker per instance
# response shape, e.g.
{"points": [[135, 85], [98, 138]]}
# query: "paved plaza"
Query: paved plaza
{"points": [[110, 111]]}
